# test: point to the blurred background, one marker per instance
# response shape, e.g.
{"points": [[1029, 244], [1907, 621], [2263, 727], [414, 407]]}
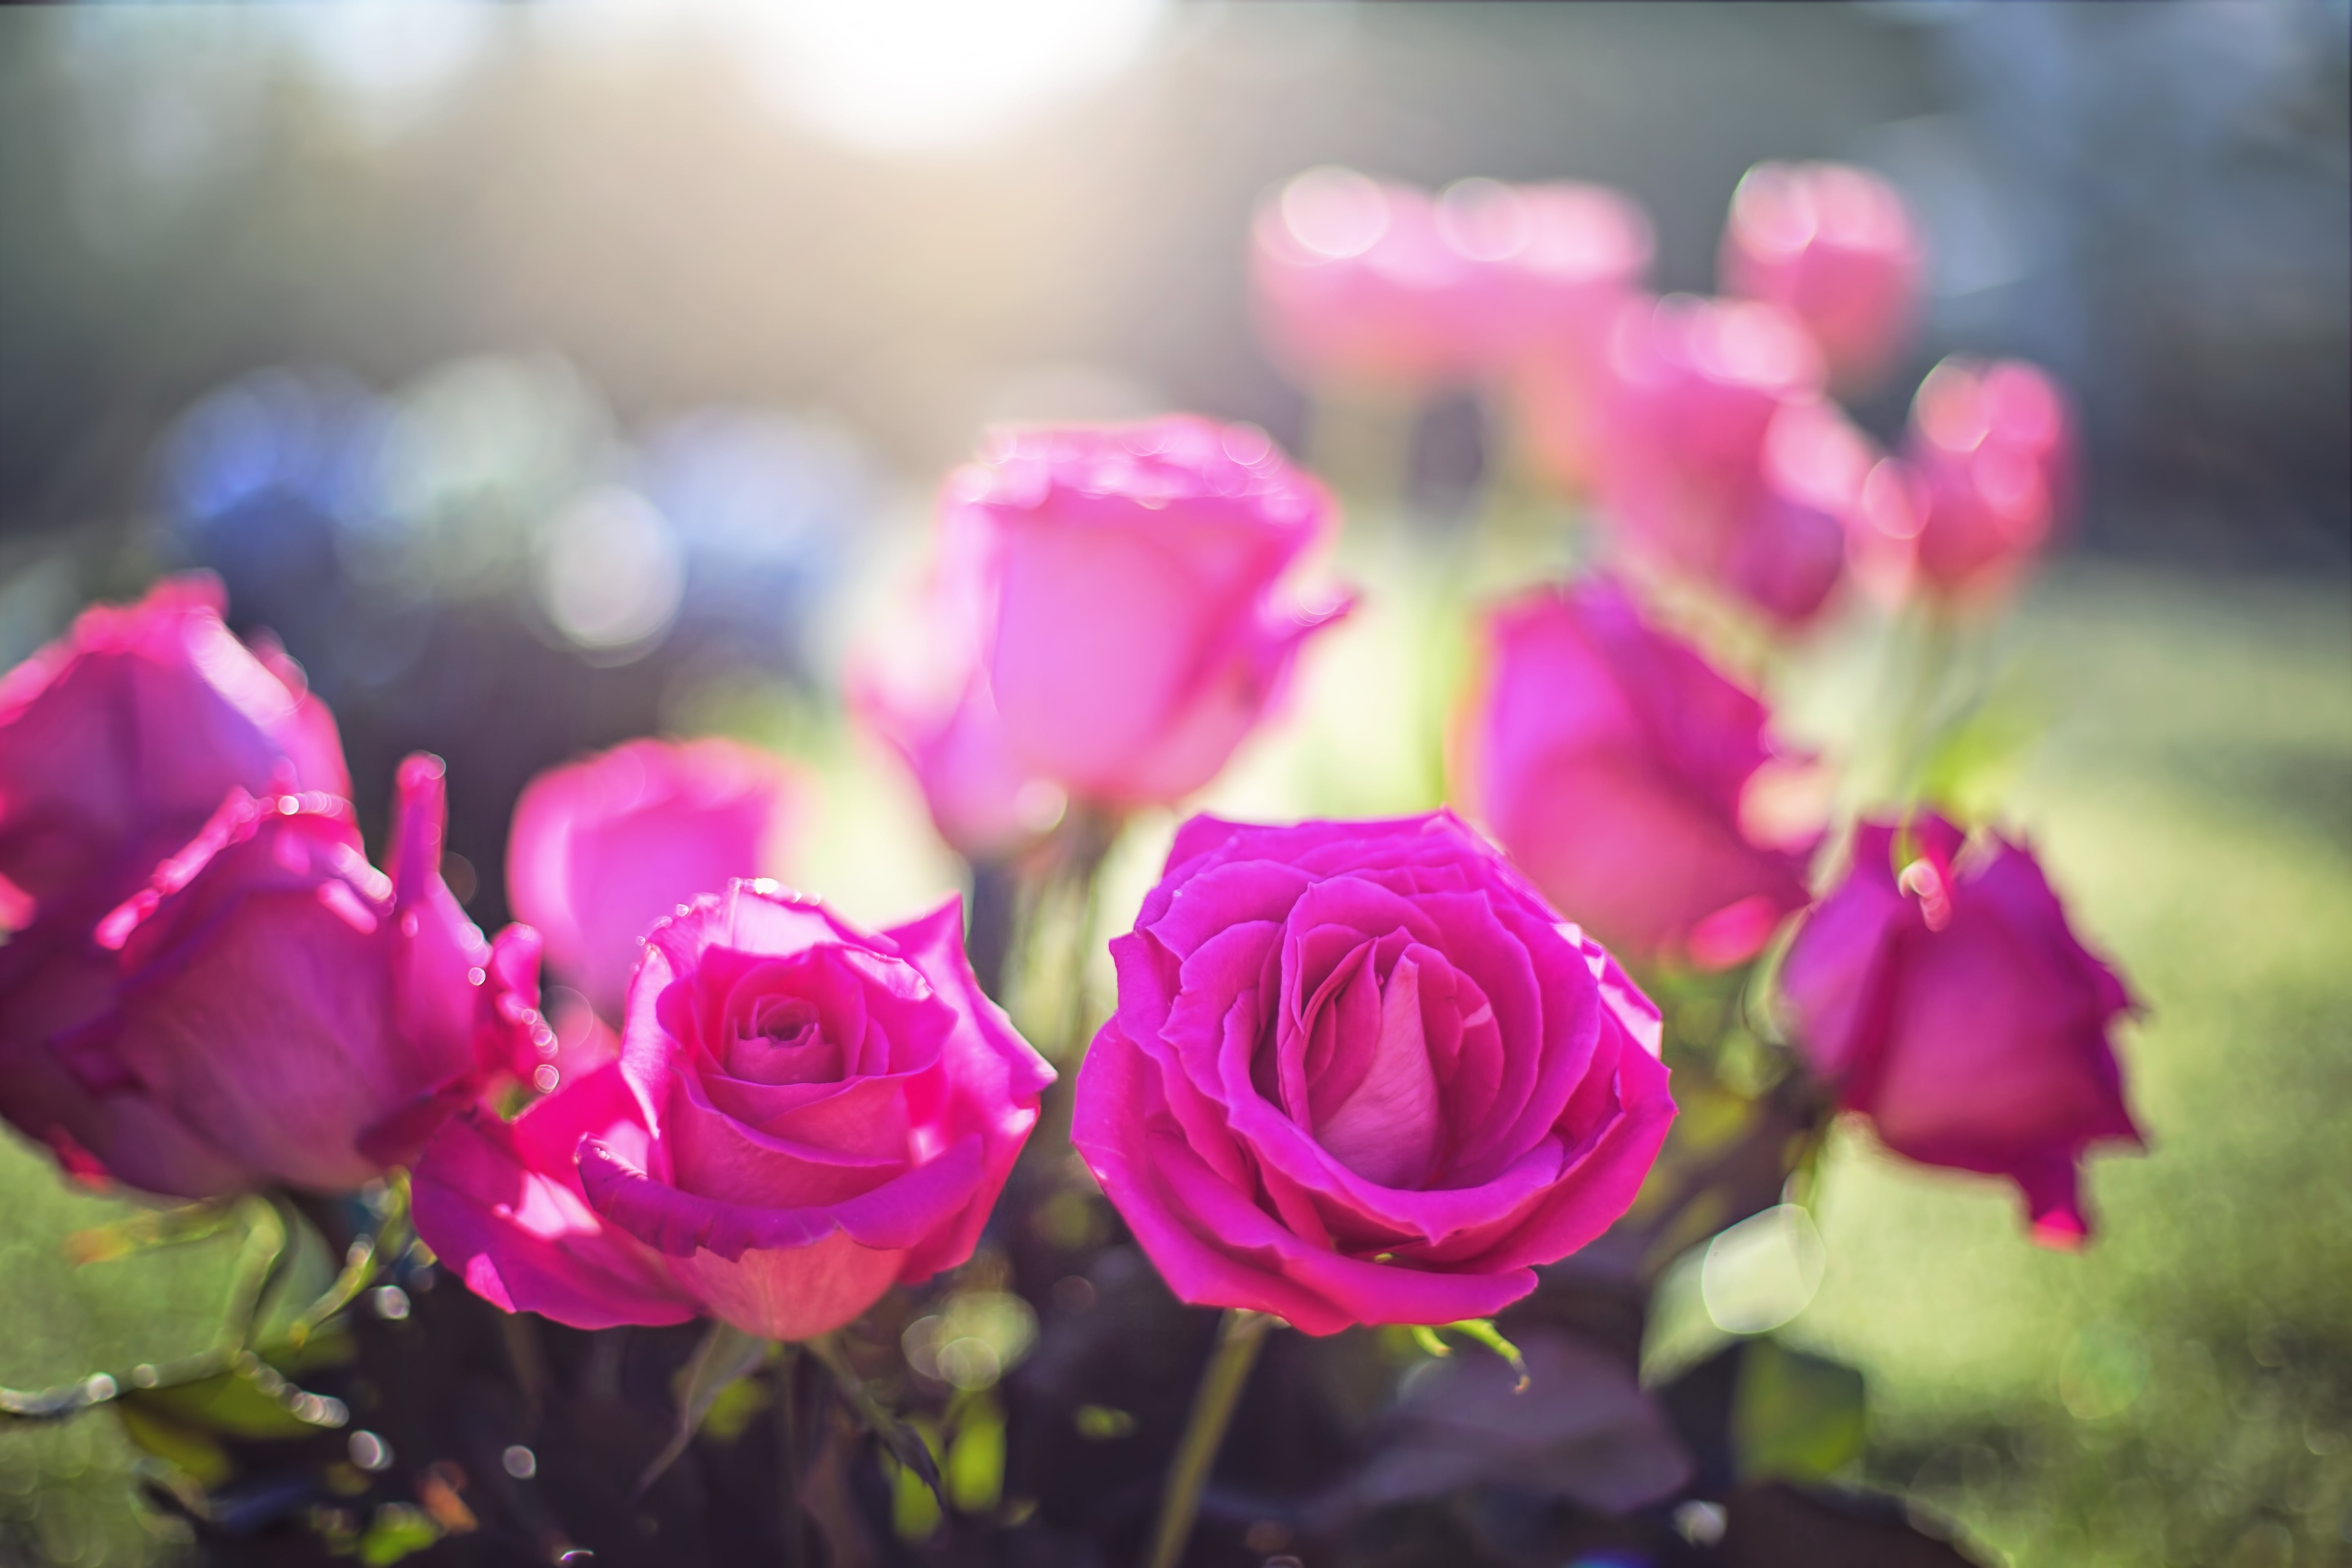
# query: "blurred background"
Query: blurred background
{"points": [[549, 374]]}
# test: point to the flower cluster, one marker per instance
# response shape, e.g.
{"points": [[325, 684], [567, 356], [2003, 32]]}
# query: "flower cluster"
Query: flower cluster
{"points": [[1369, 1072]]}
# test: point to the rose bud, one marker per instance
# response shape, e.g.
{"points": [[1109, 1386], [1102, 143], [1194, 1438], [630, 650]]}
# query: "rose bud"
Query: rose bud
{"points": [[1724, 465], [803, 1114], [1573, 257], [1612, 761], [1134, 628], [1356, 287], [119, 741], [1951, 1002], [920, 686], [272, 1009], [603, 848], [1834, 247], [1991, 448], [1359, 1072]]}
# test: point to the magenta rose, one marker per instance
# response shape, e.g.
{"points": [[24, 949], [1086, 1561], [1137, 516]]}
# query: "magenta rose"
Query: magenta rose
{"points": [[803, 1114], [1359, 1072], [271, 1007], [119, 741], [1612, 761], [1128, 591], [603, 848], [1721, 462], [1833, 245], [1951, 1002], [1992, 447]]}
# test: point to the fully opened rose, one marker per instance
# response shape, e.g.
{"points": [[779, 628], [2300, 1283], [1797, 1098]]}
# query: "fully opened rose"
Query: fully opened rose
{"points": [[1359, 1072], [803, 1114], [1942, 990]]}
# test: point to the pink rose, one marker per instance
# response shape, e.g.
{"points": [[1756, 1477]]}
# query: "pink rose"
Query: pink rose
{"points": [[1723, 463], [1128, 584], [1357, 287], [1360, 1073], [271, 1007], [1611, 760], [920, 685], [118, 740], [803, 1114], [1571, 258], [1951, 1002], [1992, 450], [1833, 245], [603, 848]]}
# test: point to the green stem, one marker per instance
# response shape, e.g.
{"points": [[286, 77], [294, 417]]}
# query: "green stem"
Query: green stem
{"points": [[1238, 1338], [788, 1428]]}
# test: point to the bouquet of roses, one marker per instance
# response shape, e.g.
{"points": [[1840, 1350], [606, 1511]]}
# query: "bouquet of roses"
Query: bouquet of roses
{"points": [[1335, 1234]]}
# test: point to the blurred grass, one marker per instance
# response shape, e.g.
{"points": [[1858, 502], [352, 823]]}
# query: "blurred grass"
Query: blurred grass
{"points": [[2180, 1393]]}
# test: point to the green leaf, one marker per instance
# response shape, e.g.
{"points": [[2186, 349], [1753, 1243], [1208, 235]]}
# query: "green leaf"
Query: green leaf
{"points": [[916, 1509], [725, 1355], [1482, 1330], [146, 1231], [904, 1442], [1795, 1416], [251, 1401], [974, 1470], [397, 1531], [190, 1449]]}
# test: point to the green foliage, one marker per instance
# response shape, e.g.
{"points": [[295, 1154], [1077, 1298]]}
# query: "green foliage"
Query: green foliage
{"points": [[1795, 1416]]}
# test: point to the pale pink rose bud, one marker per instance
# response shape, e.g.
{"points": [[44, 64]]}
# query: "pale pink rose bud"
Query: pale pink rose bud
{"points": [[1723, 464], [271, 1007], [1948, 1001], [984, 804], [118, 740], [803, 1115], [918, 682], [603, 848], [1582, 259], [1356, 287], [1993, 449], [1613, 761], [1835, 247], [1132, 607]]}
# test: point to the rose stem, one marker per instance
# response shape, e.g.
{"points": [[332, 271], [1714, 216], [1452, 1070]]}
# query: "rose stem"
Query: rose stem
{"points": [[1238, 1338], [788, 1430]]}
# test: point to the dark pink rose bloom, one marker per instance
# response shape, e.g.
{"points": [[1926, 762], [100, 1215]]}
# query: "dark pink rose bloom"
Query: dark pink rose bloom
{"points": [[1133, 621], [1357, 287], [1949, 1002], [803, 1114], [1992, 450], [1723, 464], [271, 1007], [1360, 1073], [118, 740], [603, 848], [1834, 247], [1612, 761]]}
